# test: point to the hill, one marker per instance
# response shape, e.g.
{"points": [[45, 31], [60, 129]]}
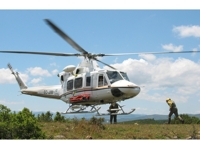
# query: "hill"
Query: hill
{"points": [[120, 118]]}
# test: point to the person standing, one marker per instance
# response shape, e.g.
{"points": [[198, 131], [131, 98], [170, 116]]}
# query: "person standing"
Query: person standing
{"points": [[113, 116], [173, 110]]}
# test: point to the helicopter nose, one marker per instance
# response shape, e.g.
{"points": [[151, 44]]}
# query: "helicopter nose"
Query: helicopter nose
{"points": [[124, 88]]}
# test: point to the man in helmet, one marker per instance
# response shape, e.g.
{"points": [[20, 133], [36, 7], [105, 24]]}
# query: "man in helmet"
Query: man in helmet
{"points": [[173, 110], [113, 106]]}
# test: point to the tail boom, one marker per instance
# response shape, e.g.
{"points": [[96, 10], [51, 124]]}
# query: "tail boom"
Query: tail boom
{"points": [[45, 91]]}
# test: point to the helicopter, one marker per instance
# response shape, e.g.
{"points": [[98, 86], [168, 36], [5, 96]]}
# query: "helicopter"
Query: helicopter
{"points": [[85, 85]]}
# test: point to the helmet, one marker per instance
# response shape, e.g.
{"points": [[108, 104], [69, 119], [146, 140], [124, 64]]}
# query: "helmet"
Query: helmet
{"points": [[168, 99]]}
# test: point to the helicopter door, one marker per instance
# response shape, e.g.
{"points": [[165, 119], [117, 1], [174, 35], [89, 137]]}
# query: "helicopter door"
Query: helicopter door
{"points": [[102, 80], [102, 85], [88, 81]]}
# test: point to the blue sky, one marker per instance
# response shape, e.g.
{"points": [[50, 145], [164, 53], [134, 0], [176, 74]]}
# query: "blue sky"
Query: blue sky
{"points": [[105, 31]]}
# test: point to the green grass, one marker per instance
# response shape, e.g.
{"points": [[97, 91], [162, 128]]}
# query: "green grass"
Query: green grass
{"points": [[82, 129]]}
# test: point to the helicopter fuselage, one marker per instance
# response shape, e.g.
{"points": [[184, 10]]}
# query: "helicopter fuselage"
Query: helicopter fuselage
{"points": [[101, 86]]}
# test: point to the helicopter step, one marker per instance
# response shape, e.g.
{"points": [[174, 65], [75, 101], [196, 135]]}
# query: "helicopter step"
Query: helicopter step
{"points": [[117, 112]]}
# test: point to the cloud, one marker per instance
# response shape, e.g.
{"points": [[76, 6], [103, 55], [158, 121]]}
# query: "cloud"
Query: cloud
{"points": [[38, 71], [187, 31], [163, 77], [115, 60], [5, 102], [172, 47], [7, 77], [53, 64], [54, 72], [149, 57], [194, 50], [36, 80]]}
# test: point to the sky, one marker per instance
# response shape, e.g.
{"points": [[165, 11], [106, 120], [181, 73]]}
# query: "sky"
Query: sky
{"points": [[160, 76]]}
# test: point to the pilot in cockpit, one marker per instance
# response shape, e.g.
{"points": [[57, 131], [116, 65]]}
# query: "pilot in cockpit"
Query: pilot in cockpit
{"points": [[114, 75]]}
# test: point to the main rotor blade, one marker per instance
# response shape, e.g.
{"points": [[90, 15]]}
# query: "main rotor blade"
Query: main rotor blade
{"points": [[121, 54], [41, 53], [66, 37], [104, 63]]}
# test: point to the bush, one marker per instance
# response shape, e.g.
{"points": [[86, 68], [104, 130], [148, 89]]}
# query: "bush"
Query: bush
{"points": [[58, 117], [97, 121], [21, 125], [45, 117], [187, 119]]}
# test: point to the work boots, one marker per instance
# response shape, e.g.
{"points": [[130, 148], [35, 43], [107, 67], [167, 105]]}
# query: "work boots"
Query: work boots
{"points": [[169, 120], [182, 121]]}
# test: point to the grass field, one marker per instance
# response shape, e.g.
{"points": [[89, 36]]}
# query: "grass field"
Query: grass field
{"points": [[82, 129]]}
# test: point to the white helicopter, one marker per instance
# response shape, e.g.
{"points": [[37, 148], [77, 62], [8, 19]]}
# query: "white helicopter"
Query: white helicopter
{"points": [[85, 85]]}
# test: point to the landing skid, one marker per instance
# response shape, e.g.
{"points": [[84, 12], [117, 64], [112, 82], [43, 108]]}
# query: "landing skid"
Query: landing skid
{"points": [[117, 112], [77, 109], [123, 113], [81, 109]]}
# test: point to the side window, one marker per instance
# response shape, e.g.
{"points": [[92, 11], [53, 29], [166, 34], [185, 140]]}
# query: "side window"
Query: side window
{"points": [[69, 85], [88, 81], [100, 80], [78, 83]]}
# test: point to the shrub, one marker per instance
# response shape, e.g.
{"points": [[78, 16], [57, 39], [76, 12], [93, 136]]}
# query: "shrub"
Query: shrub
{"points": [[58, 117], [21, 125], [187, 119], [97, 121], [47, 117]]}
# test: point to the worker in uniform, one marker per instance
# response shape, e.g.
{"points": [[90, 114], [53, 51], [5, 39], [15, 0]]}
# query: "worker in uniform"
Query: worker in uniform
{"points": [[113, 116], [173, 110]]}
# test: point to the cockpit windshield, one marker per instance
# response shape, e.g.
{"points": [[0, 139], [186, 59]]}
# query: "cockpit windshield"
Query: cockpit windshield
{"points": [[125, 76], [114, 76]]}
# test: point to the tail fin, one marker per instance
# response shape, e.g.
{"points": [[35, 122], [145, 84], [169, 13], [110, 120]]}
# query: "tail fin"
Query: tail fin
{"points": [[22, 85]]}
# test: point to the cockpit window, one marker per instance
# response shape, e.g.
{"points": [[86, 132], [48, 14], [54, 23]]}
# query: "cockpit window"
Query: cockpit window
{"points": [[114, 76], [125, 76]]}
